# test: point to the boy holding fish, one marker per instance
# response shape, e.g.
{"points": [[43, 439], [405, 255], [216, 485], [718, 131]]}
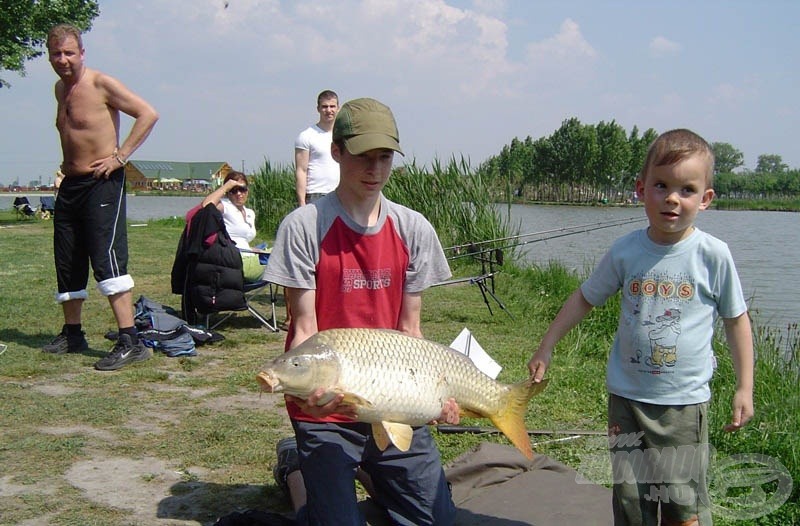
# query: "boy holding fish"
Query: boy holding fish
{"points": [[674, 280], [354, 259]]}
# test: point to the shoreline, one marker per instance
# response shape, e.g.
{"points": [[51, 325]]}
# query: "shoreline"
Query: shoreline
{"points": [[723, 204]]}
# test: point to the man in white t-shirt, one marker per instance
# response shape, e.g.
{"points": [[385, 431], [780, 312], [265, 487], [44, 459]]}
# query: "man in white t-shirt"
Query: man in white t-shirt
{"points": [[316, 172]]}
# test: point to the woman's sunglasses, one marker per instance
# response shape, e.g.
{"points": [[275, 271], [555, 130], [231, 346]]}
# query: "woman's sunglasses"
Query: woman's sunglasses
{"points": [[239, 190]]}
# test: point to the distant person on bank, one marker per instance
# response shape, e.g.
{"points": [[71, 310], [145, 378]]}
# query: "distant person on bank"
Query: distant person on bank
{"points": [[316, 172]]}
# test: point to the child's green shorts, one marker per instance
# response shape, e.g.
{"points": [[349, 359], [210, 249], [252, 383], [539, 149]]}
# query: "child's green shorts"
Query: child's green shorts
{"points": [[659, 456]]}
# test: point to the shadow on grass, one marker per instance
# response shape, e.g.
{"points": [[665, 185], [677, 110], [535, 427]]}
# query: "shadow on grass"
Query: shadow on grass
{"points": [[9, 222], [37, 340], [205, 502]]}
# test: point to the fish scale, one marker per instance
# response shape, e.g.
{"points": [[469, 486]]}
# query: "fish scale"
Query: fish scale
{"points": [[392, 379], [416, 376]]}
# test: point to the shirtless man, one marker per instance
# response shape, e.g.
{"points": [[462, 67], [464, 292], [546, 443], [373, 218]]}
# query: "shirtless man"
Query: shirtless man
{"points": [[90, 207]]}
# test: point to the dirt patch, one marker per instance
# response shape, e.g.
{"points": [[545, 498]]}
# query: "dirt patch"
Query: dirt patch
{"points": [[247, 401], [9, 489], [152, 424], [142, 487], [130, 477], [55, 389], [150, 488], [89, 431]]}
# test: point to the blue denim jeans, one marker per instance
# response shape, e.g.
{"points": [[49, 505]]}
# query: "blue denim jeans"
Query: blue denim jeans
{"points": [[410, 485]]}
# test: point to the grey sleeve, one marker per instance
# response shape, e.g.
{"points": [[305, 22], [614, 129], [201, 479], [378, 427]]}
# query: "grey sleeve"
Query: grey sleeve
{"points": [[427, 264], [294, 256]]}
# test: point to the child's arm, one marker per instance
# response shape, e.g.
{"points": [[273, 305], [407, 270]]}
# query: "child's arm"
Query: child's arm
{"points": [[572, 312], [740, 340]]}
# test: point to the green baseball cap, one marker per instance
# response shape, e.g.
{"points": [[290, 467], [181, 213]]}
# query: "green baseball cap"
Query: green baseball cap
{"points": [[366, 124]]}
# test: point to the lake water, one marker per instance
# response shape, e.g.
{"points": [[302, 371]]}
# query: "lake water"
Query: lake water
{"points": [[140, 208], [765, 245]]}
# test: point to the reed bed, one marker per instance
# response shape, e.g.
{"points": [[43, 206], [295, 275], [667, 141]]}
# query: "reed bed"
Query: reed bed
{"points": [[453, 197], [272, 196]]}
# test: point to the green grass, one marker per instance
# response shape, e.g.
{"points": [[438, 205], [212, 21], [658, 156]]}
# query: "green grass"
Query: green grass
{"points": [[204, 418], [789, 204]]}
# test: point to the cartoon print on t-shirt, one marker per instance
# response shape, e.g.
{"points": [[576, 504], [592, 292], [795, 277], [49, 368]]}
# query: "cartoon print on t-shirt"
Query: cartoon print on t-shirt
{"points": [[664, 339]]}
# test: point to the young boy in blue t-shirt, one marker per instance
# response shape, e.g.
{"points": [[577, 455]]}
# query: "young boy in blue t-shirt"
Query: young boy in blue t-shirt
{"points": [[675, 279]]}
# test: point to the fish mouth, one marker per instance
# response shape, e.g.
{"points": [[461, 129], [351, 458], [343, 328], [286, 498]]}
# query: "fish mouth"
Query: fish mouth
{"points": [[269, 382]]}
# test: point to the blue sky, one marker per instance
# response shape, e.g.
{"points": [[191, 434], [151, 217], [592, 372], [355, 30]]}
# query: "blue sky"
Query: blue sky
{"points": [[237, 84]]}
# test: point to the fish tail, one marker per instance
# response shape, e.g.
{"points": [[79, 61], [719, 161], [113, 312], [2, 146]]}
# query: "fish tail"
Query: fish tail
{"points": [[510, 419]]}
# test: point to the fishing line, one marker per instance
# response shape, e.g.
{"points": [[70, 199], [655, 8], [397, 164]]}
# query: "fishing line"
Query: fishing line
{"points": [[575, 232], [472, 248], [612, 222]]}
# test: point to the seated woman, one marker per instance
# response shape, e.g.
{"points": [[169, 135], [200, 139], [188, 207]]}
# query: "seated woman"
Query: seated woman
{"points": [[240, 221]]}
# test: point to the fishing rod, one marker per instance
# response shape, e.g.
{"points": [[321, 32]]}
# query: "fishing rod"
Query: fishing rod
{"points": [[474, 251], [480, 430], [490, 257], [610, 223], [582, 231]]}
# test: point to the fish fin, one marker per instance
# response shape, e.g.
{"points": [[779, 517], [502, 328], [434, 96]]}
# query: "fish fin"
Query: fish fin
{"points": [[469, 413], [355, 400], [380, 436], [510, 419], [385, 433]]}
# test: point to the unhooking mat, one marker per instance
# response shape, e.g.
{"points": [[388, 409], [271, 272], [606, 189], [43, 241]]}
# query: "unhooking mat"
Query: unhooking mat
{"points": [[495, 485]]}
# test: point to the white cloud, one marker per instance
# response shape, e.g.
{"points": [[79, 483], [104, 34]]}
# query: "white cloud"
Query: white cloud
{"points": [[662, 46], [450, 48], [568, 44], [496, 7], [731, 94], [560, 63]]}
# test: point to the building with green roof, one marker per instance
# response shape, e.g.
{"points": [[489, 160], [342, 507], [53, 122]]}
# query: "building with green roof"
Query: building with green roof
{"points": [[157, 174]]}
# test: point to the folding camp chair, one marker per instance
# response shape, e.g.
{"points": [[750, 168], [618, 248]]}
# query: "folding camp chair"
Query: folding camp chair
{"points": [[23, 208], [207, 273], [251, 290], [47, 206]]}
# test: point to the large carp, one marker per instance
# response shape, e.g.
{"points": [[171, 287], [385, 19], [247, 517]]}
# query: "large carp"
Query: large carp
{"points": [[396, 381]]}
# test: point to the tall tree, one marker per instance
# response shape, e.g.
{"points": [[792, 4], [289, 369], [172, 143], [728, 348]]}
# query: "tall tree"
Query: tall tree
{"points": [[789, 182], [24, 25], [639, 146], [575, 147], [770, 164], [544, 160], [613, 155], [727, 158]]}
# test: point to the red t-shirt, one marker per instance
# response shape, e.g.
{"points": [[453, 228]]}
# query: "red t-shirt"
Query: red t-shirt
{"points": [[360, 274], [360, 283]]}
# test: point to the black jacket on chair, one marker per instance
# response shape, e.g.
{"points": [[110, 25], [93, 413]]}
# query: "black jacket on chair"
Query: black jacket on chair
{"points": [[207, 271]]}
